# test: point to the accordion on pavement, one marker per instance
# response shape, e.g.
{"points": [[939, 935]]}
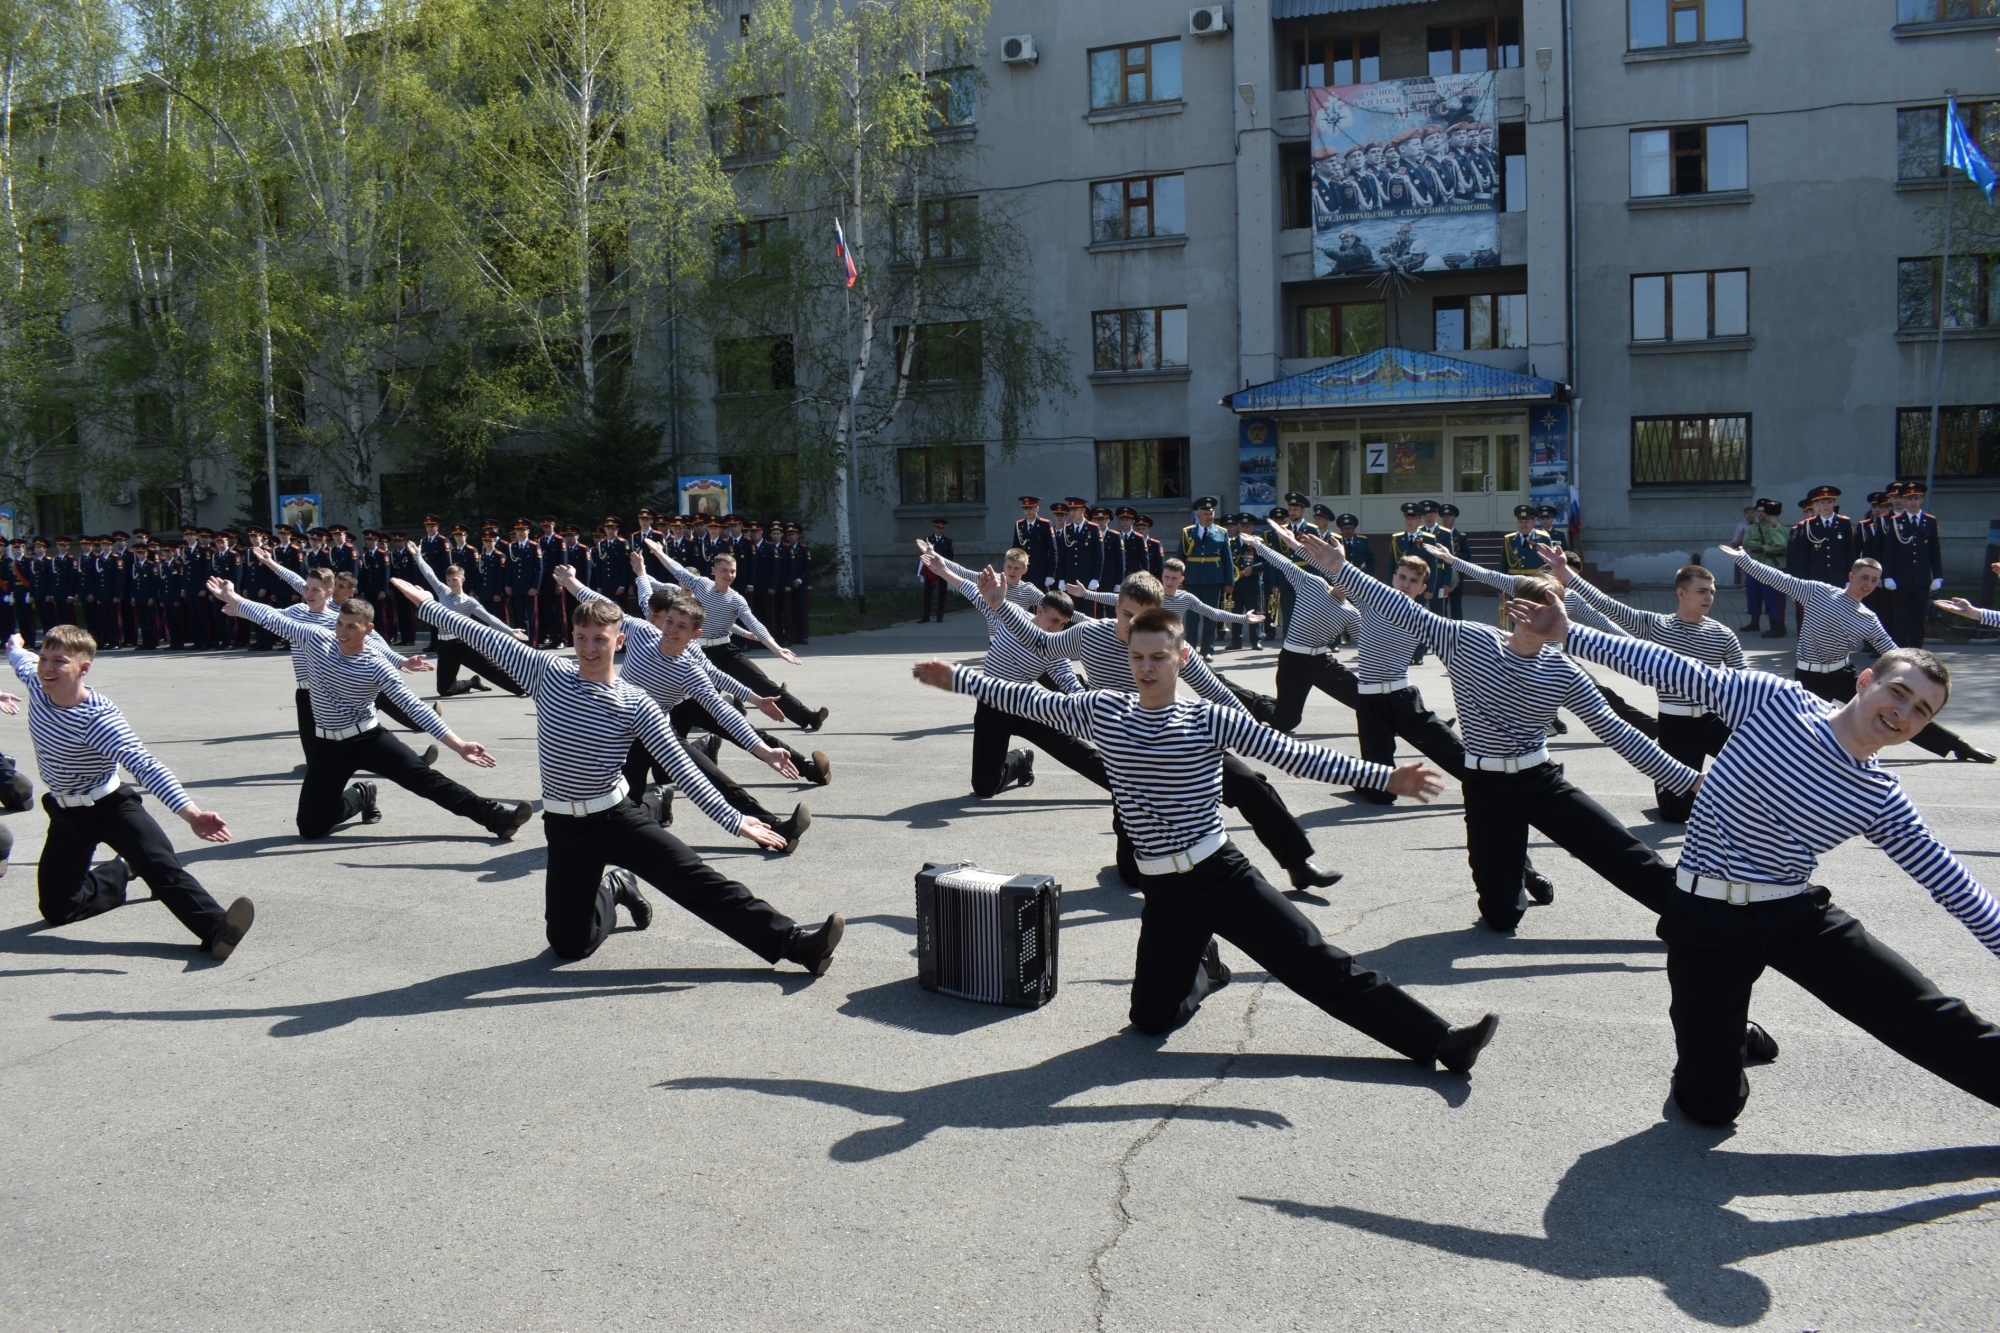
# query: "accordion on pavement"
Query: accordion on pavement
{"points": [[987, 937]]}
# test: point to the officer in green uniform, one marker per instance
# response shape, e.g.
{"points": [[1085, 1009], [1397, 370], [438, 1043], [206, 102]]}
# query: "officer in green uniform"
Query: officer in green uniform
{"points": [[1204, 550]]}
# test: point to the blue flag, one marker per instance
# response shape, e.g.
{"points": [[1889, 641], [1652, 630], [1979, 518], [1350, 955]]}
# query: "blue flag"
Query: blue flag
{"points": [[1961, 152]]}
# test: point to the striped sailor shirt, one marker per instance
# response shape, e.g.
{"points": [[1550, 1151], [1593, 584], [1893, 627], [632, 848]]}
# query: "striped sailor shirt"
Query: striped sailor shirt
{"points": [[343, 688], [584, 730], [1835, 624], [1707, 640], [326, 619], [1318, 618], [464, 603], [1098, 645], [1023, 594], [1007, 658], [672, 680], [1506, 702], [1581, 611], [80, 748], [1783, 792], [1181, 602], [1990, 619], [726, 612], [1165, 764]]}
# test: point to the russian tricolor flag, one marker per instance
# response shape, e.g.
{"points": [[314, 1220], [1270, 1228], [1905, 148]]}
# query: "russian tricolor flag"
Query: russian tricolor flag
{"points": [[840, 248]]}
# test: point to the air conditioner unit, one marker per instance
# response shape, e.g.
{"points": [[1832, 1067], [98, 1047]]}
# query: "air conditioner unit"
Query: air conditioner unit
{"points": [[1208, 21], [1018, 50]]}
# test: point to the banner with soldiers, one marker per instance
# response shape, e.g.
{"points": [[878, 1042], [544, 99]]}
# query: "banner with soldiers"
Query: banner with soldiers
{"points": [[1406, 175]]}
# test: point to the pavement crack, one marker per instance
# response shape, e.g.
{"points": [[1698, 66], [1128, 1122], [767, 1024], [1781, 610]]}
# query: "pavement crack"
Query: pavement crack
{"points": [[1122, 1219]]}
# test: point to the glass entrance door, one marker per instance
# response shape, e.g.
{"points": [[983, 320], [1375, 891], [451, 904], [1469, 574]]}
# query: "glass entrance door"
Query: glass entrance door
{"points": [[1486, 478]]}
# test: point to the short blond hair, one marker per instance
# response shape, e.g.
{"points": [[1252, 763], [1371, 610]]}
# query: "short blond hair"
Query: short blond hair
{"points": [[597, 613], [73, 638], [1142, 589]]}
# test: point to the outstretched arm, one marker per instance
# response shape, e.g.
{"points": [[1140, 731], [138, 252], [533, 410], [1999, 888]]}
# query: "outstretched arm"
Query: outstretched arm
{"points": [[1184, 602], [1958, 606], [1083, 594], [1067, 712], [293, 581], [269, 618], [1803, 589], [1011, 618], [1205, 682], [1237, 730], [1383, 600], [688, 578], [1908, 840], [424, 568], [1727, 694], [1631, 744], [665, 747], [524, 664]]}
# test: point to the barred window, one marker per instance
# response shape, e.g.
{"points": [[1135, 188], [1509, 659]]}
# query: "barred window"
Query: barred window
{"points": [[1968, 441], [1690, 451]]}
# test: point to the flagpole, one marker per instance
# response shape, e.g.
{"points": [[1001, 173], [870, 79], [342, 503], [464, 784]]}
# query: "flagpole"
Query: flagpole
{"points": [[853, 446], [1944, 293]]}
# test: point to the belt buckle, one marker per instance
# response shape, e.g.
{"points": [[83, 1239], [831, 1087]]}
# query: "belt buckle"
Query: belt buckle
{"points": [[1739, 893], [1182, 862]]}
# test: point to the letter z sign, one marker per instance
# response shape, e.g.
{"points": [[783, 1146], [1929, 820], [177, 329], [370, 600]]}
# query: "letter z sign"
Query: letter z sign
{"points": [[1377, 452]]}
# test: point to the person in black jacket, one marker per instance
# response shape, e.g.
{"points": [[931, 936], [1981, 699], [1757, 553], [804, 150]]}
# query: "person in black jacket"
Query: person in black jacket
{"points": [[1037, 536], [935, 587]]}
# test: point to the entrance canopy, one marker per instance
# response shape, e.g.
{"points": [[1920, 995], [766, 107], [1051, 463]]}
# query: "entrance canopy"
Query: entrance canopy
{"points": [[1391, 377]]}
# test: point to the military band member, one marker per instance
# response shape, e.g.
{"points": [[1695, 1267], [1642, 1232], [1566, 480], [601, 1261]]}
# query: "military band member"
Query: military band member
{"points": [[1449, 537], [1204, 551], [1037, 536], [936, 585], [1247, 593]]}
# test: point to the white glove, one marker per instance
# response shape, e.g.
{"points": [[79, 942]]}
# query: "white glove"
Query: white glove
{"points": [[1936, 584], [1890, 584], [1093, 585]]}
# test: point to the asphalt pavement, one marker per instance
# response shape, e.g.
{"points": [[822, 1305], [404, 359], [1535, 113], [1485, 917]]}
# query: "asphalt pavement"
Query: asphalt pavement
{"points": [[393, 1108]]}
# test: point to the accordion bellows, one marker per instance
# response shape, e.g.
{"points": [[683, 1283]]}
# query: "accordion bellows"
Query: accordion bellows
{"points": [[987, 937]]}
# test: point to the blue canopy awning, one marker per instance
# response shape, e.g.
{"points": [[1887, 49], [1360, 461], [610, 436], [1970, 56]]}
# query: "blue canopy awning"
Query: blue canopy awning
{"points": [[1391, 377]]}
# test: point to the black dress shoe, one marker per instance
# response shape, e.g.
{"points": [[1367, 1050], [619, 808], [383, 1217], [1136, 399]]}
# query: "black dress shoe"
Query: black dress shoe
{"points": [[430, 756], [794, 827], [811, 947], [235, 925], [1540, 891], [712, 746], [1218, 972], [1459, 1051], [369, 813], [1776, 632], [1972, 753], [819, 719], [1759, 1046], [479, 684], [1309, 876], [822, 769], [508, 819], [627, 894]]}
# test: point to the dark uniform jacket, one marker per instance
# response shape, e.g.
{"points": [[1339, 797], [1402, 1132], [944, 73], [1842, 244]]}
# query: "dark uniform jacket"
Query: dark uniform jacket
{"points": [[1038, 539]]}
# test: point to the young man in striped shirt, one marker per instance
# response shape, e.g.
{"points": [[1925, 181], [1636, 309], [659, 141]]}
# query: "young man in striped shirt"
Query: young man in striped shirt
{"points": [[1101, 646], [81, 739], [1175, 597], [1688, 730], [600, 843], [1315, 623], [346, 675], [454, 652], [1164, 757], [1508, 688], [726, 611], [1798, 777], [1013, 576], [995, 768], [1834, 626]]}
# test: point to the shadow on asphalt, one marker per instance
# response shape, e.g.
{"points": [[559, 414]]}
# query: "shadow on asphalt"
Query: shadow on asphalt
{"points": [[1107, 900], [291, 844], [31, 939], [1658, 1205], [1432, 960], [541, 977], [908, 1007], [939, 813], [1036, 1096]]}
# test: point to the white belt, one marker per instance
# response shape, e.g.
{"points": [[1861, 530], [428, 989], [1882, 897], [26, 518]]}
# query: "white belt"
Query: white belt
{"points": [[595, 805], [1682, 710], [1519, 763], [1181, 862], [91, 797], [1735, 892], [717, 643], [1383, 686], [1825, 666], [345, 733]]}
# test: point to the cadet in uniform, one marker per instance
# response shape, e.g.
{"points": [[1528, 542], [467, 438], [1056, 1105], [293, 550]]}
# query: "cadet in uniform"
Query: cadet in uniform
{"points": [[1037, 536], [1825, 544], [1210, 568], [1912, 561], [934, 585]]}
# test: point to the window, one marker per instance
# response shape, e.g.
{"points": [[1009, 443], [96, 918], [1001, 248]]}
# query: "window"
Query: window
{"points": [[1129, 210], [1920, 137], [949, 474], [747, 127], [1149, 339], [153, 420], [1971, 298], [1142, 469], [1945, 11], [148, 310], [1129, 75], [1513, 147], [740, 246], [1468, 48], [943, 352], [1968, 441], [764, 481], [161, 510], [1683, 451], [1319, 467], [1689, 307], [1336, 62], [1480, 323], [59, 513], [753, 365], [948, 229], [953, 95], [1683, 22], [1413, 463], [1690, 159], [1342, 330]]}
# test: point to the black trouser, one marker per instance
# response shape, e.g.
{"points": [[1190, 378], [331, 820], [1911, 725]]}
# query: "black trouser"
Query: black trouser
{"points": [[992, 769], [455, 653], [1200, 629], [1249, 596], [1501, 807], [1636, 717], [729, 660], [1299, 674], [70, 890], [1692, 740], [527, 607], [1224, 895], [580, 906], [933, 589], [640, 766], [1252, 796], [688, 714], [1838, 687], [1716, 952], [309, 736], [325, 799], [1909, 608]]}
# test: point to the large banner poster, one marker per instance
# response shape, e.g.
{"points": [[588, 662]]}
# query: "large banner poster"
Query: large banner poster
{"points": [[1406, 175]]}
